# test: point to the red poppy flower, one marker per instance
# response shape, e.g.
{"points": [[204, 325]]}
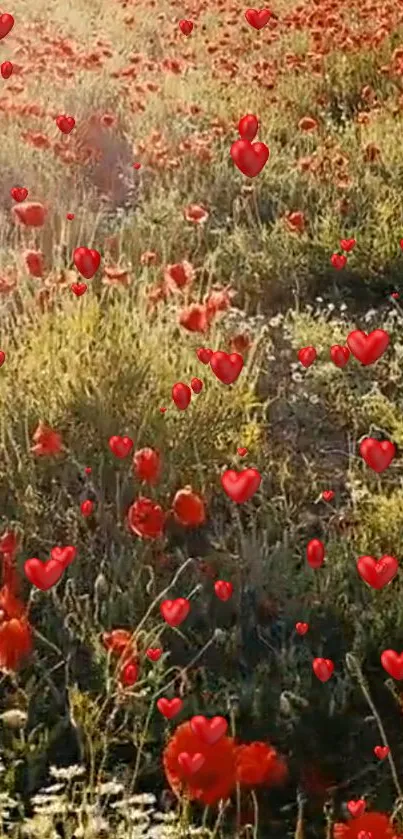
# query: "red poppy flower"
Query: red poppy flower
{"points": [[32, 214], [15, 631], [195, 318], [188, 508], [377, 825], [178, 276], [196, 214], [146, 518], [307, 124], [240, 343], [34, 263], [147, 465], [218, 301], [47, 441], [216, 778], [148, 258], [295, 221], [258, 763], [114, 276], [119, 642], [8, 542]]}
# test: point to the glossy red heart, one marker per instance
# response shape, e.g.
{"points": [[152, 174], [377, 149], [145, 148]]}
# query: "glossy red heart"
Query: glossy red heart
{"points": [[241, 486], [79, 289], [65, 124], [392, 662], [87, 507], [242, 451], [6, 69], [302, 628], [339, 355], [248, 127], [87, 261], [204, 355], [43, 575], [258, 17], [19, 193], [226, 366], [328, 495], [368, 348], [120, 446], [356, 808], [2, 358], [181, 395], [347, 244], [169, 708], [196, 385], [378, 455], [323, 668], [381, 752], [64, 555], [210, 731], [338, 261], [154, 653], [377, 573], [191, 764], [307, 355], [249, 158], [176, 611], [223, 590], [315, 553], [185, 26], [6, 25]]}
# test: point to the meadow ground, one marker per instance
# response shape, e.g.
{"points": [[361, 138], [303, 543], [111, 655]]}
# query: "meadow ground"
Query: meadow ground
{"points": [[194, 254]]}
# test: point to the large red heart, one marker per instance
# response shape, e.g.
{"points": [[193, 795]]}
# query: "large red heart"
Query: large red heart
{"points": [[249, 157], [87, 261], [240, 486], [339, 355], [381, 752], [79, 289], [65, 124], [377, 455], [6, 25], [43, 575], [210, 731], [169, 708], [191, 764], [64, 555], [323, 668], [120, 446], [377, 573], [356, 808], [19, 193], [368, 348], [392, 662], [175, 612], [226, 366], [258, 17]]}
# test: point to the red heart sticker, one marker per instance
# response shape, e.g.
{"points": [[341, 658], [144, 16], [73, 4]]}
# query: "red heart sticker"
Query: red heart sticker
{"points": [[169, 708], [377, 573], [356, 808], [258, 18], [185, 26], [381, 752], [249, 158], [6, 25], [368, 348], [248, 127], [154, 653], [227, 367], [241, 486], [181, 395], [65, 124], [176, 611], [223, 590], [191, 764], [79, 289], [43, 575], [378, 455], [301, 627], [120, 446], [210, 731], [323, 668], [64, 555], [339, 355], [87, 261], [307, 355], [392, 662]]}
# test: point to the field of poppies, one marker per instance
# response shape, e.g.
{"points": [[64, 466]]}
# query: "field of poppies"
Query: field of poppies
{"points": [[201, 500]]}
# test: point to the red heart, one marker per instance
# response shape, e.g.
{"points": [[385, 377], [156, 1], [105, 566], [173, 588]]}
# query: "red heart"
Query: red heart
{"points": [[70, 216], [328, 495], [190, 763], [347, 244], [394, 294], [240, 486], [176, 611], [381, 752], [393, 663], [258, 17], [377, 573], [79, 289], [377, 455], [66, 124], [154, 653], [19, 193], [315, 553], [196, 385], [2, 358], [169, 708], [338, 261], [356, 808], [302, 628], [323, 668], [181, 395], [6, 69], [120, 446], [6, 25], [226, 367], [43, 575], [248, 127], [64, 555], [185, 26], [210, 731], [248, 157], [368, 348], [204, 355], [87, 261], [242, 451], [339, 355], [87, 507], [223, 590], [307, 355]]}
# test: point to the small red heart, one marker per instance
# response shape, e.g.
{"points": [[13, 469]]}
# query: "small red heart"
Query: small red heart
{"points": [[6, 25], [6, 69], [347, 244], [79, 289], [249, 158], [395, 295], [181, 395], [241, 486], [338, 261], [190, 764], [162, 410], [154, 653], [70, 216], [136, 165], [323, 668], [204, 355], [87, 507], [185, 26], [377, 573], [2, 358], [43, 575], [19, 193], [242, 451], [368, 348], [196, 385], [381, 752], [393, 664], [87, 261], [302, 628], [226, 366], [356, 808], [307, 355], [315, 553], [248, 127], [223, 590], [88, 470], [339, 355], [120, 446], [210, 731], [65, 124], [176, 611], [64, 555], [328, 495], [378, 455], [258, 17], [169, 708]]}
